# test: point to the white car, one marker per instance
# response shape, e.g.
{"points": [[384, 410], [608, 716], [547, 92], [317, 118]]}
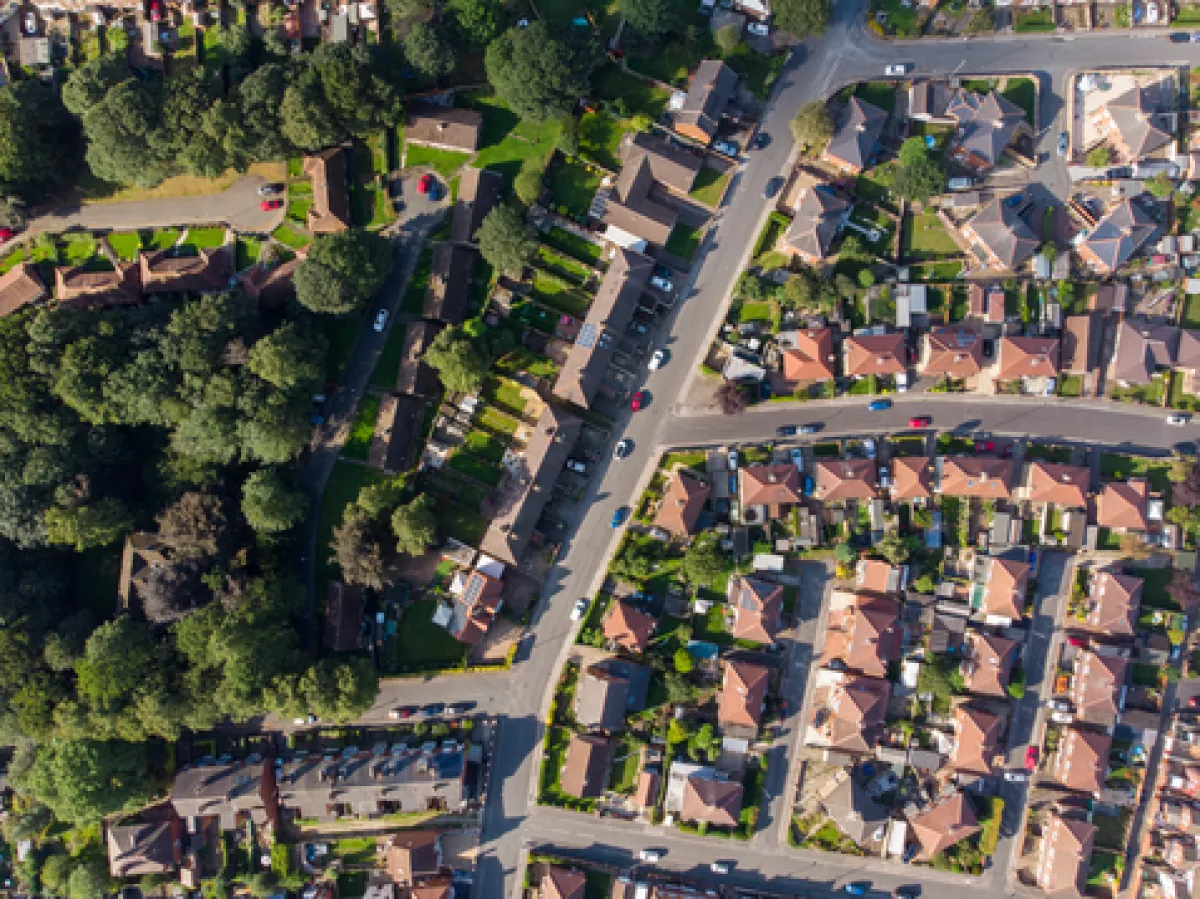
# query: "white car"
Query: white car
{"points": [[733, 460], [661, 283], [897, 68], [307, 719], [719, 867], [1016, 777], [1178, 419], [762, 29], [623, 449], [576, 466], [797, 458], [579, 610], [381, 318], [649, 855], [657, 360]]}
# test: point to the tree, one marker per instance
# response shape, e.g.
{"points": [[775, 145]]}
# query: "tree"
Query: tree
{"points": [[1099, 157], [729, 38], [119, 130], [259, 98], [82, 781], [982, 20], [170, 592], [459, 361], [505, 241], [844, 553], [56, 871], [340, 691], [88, 525], [683, 661], [270, 505], [194, 524], [568, 137], [320, 289], [704, 562], [732, 398], [415, 526], [812, 127], [343, 271], [479, 20], [306, 119], [38, 139], [289, 356], [1186, 490], [636, 559], [358, 549], [866, 278], [530, 180], [87, 85], [703, 744], [1184, 591], [912, 151], [893, 548], [680, 688], [537, 75], [649, 18], [919, 180], [427, 51], [1161, 185], [802, 17], [90, 879], [234, 40]]}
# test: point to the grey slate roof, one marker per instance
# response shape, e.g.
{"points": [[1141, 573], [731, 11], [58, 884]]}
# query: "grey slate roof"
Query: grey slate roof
{"points": [[988, 123], [1120, 234], [712, 87], [1000, 227], [857, 136], [817, 221], [1143, 348], [855, 813], [1136, 117], [602, 700]]}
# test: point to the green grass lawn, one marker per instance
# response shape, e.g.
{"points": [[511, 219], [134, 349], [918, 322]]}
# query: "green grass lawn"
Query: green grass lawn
{"points": [[563, 266], [290, 237], [670, 63], [497, 422], [754, 312], [1023, 92], [248, 249], [924, 237], [623, 775], [1177, 399], [355, 850], [599, 137], [1027, 22], [612, 83], [474, 467], [684, 241], [574, 185], [205, 238], [558, 294], [444, 162], [460, 523], [1187, 16], [505, 394], [1191, 311], [573, 245], [522, 359], [358, 444], [297, 210], [710, 185], [388, 366], [507, 141], [423, 645], [1070, 385], [126, 244], [75, 249], [878, 93], [414, 294]]}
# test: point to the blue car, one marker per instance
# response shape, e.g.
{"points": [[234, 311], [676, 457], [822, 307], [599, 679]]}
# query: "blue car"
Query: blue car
{"points": [[619, 516], [856, 889], [809, 485], [879, 405]]}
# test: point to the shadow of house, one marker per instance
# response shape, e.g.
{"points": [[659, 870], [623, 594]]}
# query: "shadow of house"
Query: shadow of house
{"points": [[343, 617], [398, 427]]}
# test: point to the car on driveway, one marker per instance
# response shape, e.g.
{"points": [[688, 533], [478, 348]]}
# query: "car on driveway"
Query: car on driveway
{"points": [[638, 400], [425, 184], [761, 29], [1179, 419], [760, 140], [725, 148], [381, 318], [1016, 777], [879, 405], [920, 421], [733, 460], [7, 234], [772, 188], [657, 360], [1031, 758], [268, 205], [268, 190], [719, 867], [619, 516], [797, 457], [985, 446], [809, 485], [663, 284], [896, 69], [1063, 141], [623, 449]]}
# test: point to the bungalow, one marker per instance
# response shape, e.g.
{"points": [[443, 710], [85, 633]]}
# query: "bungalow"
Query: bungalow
{"points": [[978, 477], [585, 771], [743, 697], [849, 714], [757, 608], [1064, 855], [443, 128], [20, 286], [607, 319], [817, 220], [912, 478], [1051, 484], [808, 356], [397, 431], [712, 88], [479, 192], [839, 480], [976, 740], [1122, 232], [330, 210], [772, 488], [448, 295], [1004, 590], [1121, 506], [988, 664], [526, 487], [627, 627], [1115, 601], [633, 212], [1027, 359], [952, 352], [881, 355], [1134, 123], [682, 504], [1098, 687], [1000, 238], [1081, 762], [987, 126], [1143, 350], [711, 799], [857, 135], [950, 821]]}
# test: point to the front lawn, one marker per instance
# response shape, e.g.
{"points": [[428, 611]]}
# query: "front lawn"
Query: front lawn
{"points": [[497, 422], [247, 251], [902, 20], [754, 312], [574, 185], [507, 141], [1177, 399], [881, 94], [1032, 21], [387, 368], [358, 444], [525, 360], [1070, 385], [290, 237], [1023, 92], [444, 162], [684, 241], [422, 645], [1191, 311], [710, 185], [76, 249], [126, 244], [205, 238], [1147, 394]]}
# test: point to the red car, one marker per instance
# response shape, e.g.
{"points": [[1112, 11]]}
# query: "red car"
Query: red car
{"points": [[636, 402], [920, 421], [268, 205], [7, 234], [1194, 702], [985, 446], [425, 183], [1031, 758]]}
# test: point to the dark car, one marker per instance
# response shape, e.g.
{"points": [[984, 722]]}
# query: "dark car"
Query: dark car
{"points": [[772, 187], [760, 140], [811, 428], [434, 708], [786, 431], [1180, 37]]}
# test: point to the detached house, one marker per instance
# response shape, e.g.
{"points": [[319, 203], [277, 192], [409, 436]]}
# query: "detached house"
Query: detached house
{"points": [[1115, 601], [137, 850], [682, 504], [849, 714], [1051, 484], [443, 128], [1098, 687], [585, 771], [1027, 359], [1064, 855], [818, 219], [601, 699], [808, 356], [330, 210], [562, 883], [950, 821], [857, 135], [875, 576], [712, 88], [952, 352], [881, 355], [988, 664], [986, 128], [1004, 591], [477, 599], [627, 627], [20, 286], [1000, 239], [1121, 506], [651, 164], [1122, 232], [711, 799], [1134, 125], [976, 740], [839, 480], [757, 609], [1142, 351], [1081, 762], [743, 696]]}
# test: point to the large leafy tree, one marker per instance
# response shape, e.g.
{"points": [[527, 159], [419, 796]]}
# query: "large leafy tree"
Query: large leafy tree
{"points": [[360, 95], [505, 241], [260, 98], [704, 562], [428, 50], [38, 139], [307, 119], [120, 129], [195, 524], [538, 75], [87, 525], [270, 504], [289, 356], [342, 271], [87, 85], [415, 526], [812, 127], [360, 551], [82, 781], [480, 21], [459, 361], [649, 18]]}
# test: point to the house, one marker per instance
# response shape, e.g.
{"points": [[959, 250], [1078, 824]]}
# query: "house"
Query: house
{"points": [[853, 811], [1115, 602], [163, 273], [865, 634], [443, 127], [1123, 231], [712, 88], [527, 485], [757, 608], [808, 356], [142, 553], [448, 295], [952, 352], [1000, 239], [585, 772], [1143, 350], [413, 855], [743, 696], [230, 792], [434, 888], [682, 504], [711, 799], [1079, 343], [776, 488], [976, 740], [1064, 855], [1121, 505], [856, 137], [986, 303], [839, 480], [607, 319], [562, 883], [1134, 124], [416, 377], [1081, 762], [849, 715], [645, 797], [818, 219], [912, 478], [398, 427], [477, 599], [152, 847], [881, 355], [1098, 687], [950, 821], [928, 100], [78, 288], [633, 212], [343, 616], [1004, 590], [987, 125], [369, 784], [270, 285], [601, 700], [20, 286], [479, 192], [330, 210], [628, 627], [988, 664], [973, 476], [875, 576], [1065, 486], [1026, 358]]}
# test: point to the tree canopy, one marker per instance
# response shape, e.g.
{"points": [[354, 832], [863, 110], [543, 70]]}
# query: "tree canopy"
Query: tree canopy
{"points": [[812, 127], [505, 241], [460, 362], [343, 271], [538, 75], [649, 18], [81, 781]]}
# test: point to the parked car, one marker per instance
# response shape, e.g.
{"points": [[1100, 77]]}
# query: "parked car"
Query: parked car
{"points": [[785, 431], [811, 428], [1196, 37], [909, 891], [7, 234], [773, 186], [663, 284], [460, 708], [720, 867], [576, 466], [962, 183], [1031, 758], [381, 318], [985, 446], [1180, 37], [268, 205], [797, 457], [579, 609], [857, 888], [920, 421], [1016, 777], [879, 405], [657, 360], [897, 68], [1194, 702], [733, 459], [304, 719], [623, 449], [425, 184], [637, 401], [762, 29], [1178, 419], [1063, 140], [760, 140], [434, 708], [619, 516], [269, 190], [809, 485], [726, 148], [401, 712], [650, 855]]}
